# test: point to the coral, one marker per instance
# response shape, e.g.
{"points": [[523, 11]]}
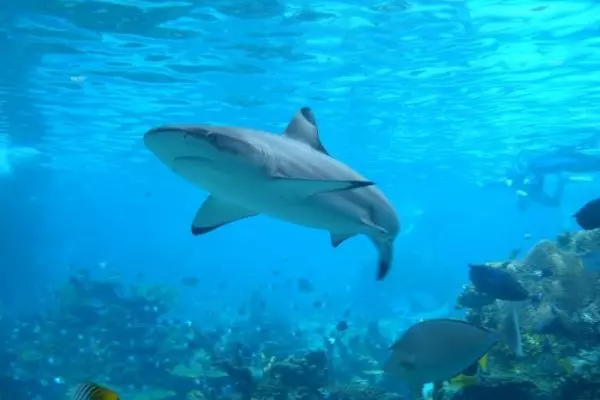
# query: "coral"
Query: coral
{"points": [[123, 336], [309, 371], [199, 365], [471, 298], [499, 388], [154, 394], [358, 390], [560, 329]]}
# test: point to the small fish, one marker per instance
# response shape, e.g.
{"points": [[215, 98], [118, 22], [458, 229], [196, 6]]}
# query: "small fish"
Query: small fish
{"points": [[341, 326], [588, 216], [496, 283], [514, 253], [422, 355], [92, 391], [305, 286], [536, 299]]}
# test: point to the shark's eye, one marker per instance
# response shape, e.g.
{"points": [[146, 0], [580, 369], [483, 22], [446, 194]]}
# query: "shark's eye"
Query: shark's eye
{"points": [[229, 144]]}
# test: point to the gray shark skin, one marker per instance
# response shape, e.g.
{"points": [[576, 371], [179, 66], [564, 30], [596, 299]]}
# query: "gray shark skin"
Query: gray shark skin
{"points": [[290, 177]]}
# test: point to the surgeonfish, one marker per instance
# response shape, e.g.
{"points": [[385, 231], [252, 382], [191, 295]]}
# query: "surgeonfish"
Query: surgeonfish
{"points": [[497, 283], [471, 375], [437, 350], [588, 216]]}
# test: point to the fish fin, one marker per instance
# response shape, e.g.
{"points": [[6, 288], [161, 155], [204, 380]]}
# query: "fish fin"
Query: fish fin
{"points": [[339, 238], [309, 187], [512, 330], [303, 128], [483, 363], [215, 213], [462, 381], [92, 391], [386, 253]]}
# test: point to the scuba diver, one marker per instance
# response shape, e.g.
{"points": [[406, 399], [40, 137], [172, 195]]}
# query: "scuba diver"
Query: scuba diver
{"points": [[532, 188], [529, 176], [574, 159]]}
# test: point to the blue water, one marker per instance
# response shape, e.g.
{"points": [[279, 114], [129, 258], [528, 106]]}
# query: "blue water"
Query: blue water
{"points": [[433, 100]]}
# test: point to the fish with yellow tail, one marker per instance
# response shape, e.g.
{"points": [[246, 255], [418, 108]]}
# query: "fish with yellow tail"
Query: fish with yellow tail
{"points": [[92, 391], [438, 350], [471, 375]]}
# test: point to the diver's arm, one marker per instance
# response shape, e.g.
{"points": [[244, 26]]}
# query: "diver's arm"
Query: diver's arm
{"points": [[554, 199]]}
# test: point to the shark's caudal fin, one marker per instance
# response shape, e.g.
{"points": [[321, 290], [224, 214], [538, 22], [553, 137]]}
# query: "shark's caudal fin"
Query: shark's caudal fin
{"points": [[386, 254], [215, 213], [303, 127], [511, 328]]}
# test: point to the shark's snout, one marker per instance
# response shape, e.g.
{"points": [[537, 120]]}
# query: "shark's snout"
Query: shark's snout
{"points": [[171, 142], [164, 135]]}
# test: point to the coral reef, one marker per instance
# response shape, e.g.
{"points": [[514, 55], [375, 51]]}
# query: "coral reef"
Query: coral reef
{"points": [[98, 328], [560, 325]]}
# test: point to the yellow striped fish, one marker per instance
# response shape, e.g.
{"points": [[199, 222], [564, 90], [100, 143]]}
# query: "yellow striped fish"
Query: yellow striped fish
{"points": [[91, 391]]}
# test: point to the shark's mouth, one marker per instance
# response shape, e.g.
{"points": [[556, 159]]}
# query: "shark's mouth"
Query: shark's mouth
{"points": [[191, 167], [191, 159]]}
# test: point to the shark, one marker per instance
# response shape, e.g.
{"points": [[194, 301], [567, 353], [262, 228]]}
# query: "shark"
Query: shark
{"points": [[289, 176]]}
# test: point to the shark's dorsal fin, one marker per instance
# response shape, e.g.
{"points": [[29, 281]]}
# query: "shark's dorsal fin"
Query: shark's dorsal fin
{"points": [[303, 127]]}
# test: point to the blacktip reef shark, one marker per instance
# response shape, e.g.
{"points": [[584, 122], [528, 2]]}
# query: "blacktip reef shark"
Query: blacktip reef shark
{"points": [[291, 177]]}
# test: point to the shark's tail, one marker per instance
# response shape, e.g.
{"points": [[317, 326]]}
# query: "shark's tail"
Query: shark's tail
{"points": [[386, 253]]}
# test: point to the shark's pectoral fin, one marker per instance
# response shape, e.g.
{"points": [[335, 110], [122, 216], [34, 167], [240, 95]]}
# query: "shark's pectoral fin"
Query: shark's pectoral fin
{"points": [[308, 187], [303, 127], [339, 238], [215, 213]]}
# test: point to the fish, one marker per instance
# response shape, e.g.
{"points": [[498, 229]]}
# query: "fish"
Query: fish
{"points": [[305, 286], [536, 299], [497, 283], [341, 326], [588, 216], [291, 177], [437, 350], [92, 391]]}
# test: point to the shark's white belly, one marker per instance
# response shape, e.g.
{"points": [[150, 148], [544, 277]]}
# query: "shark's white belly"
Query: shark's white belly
{"points": [[251, 190], [263, 199], [314, 215]]}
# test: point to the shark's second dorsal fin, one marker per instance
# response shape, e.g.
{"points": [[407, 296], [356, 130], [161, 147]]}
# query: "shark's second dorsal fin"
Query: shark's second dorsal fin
{"points": [[303, 127]]}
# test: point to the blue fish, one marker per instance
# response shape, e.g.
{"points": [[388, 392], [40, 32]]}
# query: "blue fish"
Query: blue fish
{"points": [[536, 299], [588, 216], [496, 283]]}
